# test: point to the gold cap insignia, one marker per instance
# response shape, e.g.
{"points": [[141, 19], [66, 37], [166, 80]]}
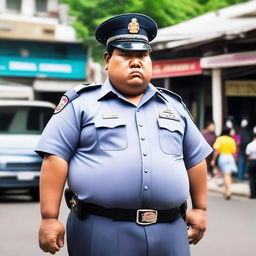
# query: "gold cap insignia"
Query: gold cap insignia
{"points": [[134, 26]]}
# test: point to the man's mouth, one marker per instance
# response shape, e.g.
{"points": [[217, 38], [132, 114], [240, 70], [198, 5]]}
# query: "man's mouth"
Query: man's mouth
{"points": [[136, 73]]}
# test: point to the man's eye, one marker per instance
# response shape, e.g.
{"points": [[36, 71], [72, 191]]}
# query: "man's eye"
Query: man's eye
{"points": [[142, 55]]}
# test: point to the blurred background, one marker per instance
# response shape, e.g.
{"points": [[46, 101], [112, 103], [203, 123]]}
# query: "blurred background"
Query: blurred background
{"points": [[205, 51]]}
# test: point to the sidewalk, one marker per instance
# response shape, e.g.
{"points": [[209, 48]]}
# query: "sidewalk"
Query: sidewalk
{"points": [[240, 188]]}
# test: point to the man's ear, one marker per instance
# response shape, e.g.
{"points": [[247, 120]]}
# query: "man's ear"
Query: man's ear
{"points": [[107, 57]]}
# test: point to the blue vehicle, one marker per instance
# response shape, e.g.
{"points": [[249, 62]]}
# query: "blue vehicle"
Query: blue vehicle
{"points": [[21, 123]]}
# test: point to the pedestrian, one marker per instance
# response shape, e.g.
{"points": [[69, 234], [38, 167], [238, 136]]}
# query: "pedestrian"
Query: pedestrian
{"points": [[209, 134], [131, 154], [245, 139], [225, 150], [251, 159], [237, 138]]}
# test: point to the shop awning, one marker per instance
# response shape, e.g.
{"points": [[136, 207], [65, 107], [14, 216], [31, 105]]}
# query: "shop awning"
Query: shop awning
{"points": [[229, 60], [228, 23]]}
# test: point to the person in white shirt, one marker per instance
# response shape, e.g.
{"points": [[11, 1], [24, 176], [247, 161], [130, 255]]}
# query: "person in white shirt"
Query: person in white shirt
{"points": [[251, 157]]}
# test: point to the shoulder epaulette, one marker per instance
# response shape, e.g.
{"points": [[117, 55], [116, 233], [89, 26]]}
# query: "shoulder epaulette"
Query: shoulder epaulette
{"points": [[178, 97], [171, 93], [73, 94], [76, 91], [81, 87]]}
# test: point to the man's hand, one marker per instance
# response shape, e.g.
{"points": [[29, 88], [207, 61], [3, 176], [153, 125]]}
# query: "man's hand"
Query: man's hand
{"points": [[196, 221], [51, 235]]}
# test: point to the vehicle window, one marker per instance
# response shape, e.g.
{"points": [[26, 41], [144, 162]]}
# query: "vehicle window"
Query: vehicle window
{"points": [[23, 120]]}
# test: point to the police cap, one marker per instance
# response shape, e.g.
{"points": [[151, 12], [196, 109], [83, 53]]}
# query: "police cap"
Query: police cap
{"points": [[130, 32]]}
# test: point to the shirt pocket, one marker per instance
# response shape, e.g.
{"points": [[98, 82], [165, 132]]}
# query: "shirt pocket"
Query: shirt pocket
{"points": [[111, 134], [170, 136]]}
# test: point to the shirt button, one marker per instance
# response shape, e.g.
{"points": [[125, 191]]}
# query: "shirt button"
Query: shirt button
{"points": [[144, 154], [146, 187], [146, 170], [138, 110], [140, 125], [142, 138]]}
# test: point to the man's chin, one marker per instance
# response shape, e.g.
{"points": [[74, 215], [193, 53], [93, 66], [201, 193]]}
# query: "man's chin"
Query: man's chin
{"points": [[137, 82]]}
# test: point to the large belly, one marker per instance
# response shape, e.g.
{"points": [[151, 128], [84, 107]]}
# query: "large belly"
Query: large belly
{"points": [[121, 181]]}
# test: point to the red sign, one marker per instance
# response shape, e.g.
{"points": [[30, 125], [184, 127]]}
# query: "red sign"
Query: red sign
{"points": [[169, 68]]}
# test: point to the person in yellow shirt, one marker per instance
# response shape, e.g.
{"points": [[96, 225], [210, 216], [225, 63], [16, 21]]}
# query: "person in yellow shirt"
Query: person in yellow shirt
{"points": [[225, 148]]}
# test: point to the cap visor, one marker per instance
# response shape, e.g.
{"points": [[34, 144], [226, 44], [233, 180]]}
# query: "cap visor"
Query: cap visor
{"points": [[132, 46]]}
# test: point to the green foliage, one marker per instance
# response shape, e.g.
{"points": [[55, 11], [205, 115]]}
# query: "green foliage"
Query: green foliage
{"points": [[213, 5], [90, 13]]}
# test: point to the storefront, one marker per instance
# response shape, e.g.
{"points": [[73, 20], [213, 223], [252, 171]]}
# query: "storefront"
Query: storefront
{"points": [[50, 68], [186, 78], [224, 41], [241, 100], [233, 86]]}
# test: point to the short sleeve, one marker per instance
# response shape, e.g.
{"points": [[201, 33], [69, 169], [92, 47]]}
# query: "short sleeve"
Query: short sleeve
{"points": [[248, 150], [216, 144], [195, 147], [61, 135]]}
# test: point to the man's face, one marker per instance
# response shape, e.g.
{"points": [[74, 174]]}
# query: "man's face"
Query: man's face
{"points": [[129, 71], [211, 128]]}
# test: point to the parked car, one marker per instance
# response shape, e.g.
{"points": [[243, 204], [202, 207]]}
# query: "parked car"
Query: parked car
{"points": [[21, 123]]}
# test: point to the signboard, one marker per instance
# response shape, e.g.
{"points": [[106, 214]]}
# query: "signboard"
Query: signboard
{"points": [[170, 68], [32, 67], [42, 59], [241, 88]]}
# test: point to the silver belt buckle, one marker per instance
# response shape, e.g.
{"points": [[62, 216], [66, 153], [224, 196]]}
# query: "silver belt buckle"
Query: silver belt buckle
{"points": [[146, 216]]}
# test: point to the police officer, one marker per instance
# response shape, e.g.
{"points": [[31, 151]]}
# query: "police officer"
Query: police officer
{"points": [[131, 155]]}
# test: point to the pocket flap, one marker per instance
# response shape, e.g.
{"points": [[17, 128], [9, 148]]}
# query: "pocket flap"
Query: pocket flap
{"points": [[109, 122], [170, 125]]}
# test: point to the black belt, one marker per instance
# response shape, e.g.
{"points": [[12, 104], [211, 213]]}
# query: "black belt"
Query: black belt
{"points": [[140, 216]]}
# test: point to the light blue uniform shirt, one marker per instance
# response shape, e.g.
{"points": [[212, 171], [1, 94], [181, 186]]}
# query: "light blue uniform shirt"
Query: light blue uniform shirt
{"points": [[122, 155]]}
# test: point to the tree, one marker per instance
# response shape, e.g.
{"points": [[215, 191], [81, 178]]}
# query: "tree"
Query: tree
{"points": [[89, 13]]}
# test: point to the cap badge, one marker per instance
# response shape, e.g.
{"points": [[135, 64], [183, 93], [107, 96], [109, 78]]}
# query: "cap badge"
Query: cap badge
{"points": [[134, 26]]}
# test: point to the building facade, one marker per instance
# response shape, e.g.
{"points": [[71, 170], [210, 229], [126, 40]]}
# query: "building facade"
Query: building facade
{"points": [[39, 48], [210, 60]]}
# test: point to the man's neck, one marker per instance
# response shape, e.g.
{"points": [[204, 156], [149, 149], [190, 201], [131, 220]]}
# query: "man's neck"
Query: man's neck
{"points": [[134, 99]]}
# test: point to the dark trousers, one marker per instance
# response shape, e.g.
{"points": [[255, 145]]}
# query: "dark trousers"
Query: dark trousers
{"points": [[100, 236], [252, 177], [242, 168]]}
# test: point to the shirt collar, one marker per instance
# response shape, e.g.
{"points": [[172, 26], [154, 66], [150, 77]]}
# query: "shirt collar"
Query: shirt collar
{"points": [[108, 88], [158, 92]]}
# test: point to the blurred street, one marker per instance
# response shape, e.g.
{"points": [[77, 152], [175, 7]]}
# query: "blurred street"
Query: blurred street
{"points": [[231, 227], [204, 51], [19, 221]]}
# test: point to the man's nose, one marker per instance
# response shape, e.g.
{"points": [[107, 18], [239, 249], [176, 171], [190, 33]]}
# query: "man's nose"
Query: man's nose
{"points": [[135, 63]]}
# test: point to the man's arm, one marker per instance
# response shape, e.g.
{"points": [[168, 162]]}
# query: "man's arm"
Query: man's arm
{"points": [[196, 218], [52, 180]]}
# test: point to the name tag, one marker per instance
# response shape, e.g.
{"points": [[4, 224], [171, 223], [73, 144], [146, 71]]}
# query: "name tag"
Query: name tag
{"points": [[169, 116], [110, 116]]}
